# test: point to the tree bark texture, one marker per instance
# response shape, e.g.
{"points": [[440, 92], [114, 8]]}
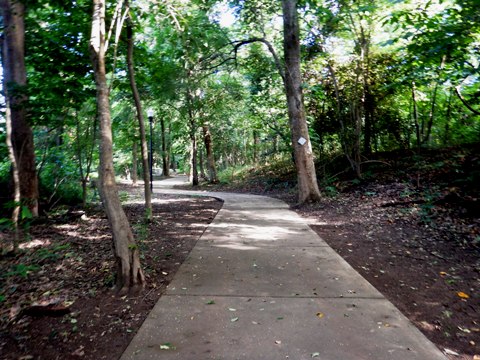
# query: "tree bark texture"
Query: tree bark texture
{"points": [[193, 140], [212, 170], [141, 122], [129, 271], [15, 82], [193, 159], [307, 179]]}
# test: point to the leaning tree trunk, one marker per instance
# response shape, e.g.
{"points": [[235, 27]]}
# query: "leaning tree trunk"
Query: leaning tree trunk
{"points": [[15, 81], [141, 122], [307, 178], [212, 170], [129, 271]]}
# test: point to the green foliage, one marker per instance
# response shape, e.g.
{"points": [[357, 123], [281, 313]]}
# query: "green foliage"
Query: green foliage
{"points": [[20, 270], [50, 254]]}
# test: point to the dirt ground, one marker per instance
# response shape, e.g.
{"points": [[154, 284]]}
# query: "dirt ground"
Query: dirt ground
{"points": [[423, 267], [69, 264]]}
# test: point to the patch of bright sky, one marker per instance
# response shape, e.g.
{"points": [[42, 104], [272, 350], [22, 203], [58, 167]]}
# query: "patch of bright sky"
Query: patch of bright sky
{"points": [[223, 14]]}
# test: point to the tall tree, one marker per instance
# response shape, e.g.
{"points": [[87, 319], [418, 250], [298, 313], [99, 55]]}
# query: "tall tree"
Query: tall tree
{"points": [[306, 176], [129, 271], [141, 122], [15, 80]]}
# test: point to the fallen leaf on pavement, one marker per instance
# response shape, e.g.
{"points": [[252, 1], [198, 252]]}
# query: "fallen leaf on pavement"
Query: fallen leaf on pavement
{"points": [[451, 352]]}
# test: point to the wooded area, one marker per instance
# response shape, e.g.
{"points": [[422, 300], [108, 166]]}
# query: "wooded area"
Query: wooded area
{"points": [[326, 86], [359, 78], [355, 79]]}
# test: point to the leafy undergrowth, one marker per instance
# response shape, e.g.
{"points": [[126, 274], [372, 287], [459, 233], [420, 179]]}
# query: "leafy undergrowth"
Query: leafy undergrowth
{"points": [[55, 297], [411, 227]]}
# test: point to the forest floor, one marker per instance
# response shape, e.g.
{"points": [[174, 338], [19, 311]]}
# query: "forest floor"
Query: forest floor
{"points": [[411, 228], [56, 301]]}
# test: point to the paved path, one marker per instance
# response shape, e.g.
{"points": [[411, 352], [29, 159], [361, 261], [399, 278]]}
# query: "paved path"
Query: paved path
{"points": [[261, 285]]}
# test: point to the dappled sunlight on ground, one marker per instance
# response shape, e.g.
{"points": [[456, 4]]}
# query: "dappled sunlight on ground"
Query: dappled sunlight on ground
{"points": [[34, 243], [237, 246]]}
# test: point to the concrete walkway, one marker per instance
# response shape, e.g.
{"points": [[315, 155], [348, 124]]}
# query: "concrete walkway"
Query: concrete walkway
{"points": [[260, 284]]}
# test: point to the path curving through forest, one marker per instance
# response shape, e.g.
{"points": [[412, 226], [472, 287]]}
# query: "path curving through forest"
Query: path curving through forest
{"points": [[260, 284]]}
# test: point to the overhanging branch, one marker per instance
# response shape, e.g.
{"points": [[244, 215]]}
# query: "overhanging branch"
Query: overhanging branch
{"points": [[464, 102], [278, 64]]}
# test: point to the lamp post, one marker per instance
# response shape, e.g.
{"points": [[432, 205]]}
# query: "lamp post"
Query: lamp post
{"points": [[150, 119]]}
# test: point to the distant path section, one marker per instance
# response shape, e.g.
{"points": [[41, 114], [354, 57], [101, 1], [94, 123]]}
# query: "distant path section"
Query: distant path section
{"points": [[261, 285]]}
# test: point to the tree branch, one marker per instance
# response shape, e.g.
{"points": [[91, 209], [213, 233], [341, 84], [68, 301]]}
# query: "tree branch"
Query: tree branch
{"points": [[272, 51], [464, 102]]}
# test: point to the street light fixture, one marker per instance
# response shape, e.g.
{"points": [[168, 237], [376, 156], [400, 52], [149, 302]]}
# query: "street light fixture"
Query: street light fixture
{"points": [[150, 119]]}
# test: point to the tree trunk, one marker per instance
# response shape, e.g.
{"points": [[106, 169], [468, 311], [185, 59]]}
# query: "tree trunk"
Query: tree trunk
{"points": [[212, 170], [431, 115], [193, 159], [15, 82], [446, 135], [165, 155], [415, 116], [129, 272], [135, 164], [15, 176], [256, 145], [307, 178], [200, 165], [141, 122], [193, 140]]}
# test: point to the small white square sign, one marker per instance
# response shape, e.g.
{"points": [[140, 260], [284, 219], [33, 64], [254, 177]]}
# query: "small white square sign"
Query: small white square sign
{"points": [[302, 140]]}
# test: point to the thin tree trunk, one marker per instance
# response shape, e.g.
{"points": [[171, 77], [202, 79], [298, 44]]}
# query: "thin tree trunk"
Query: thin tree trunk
{"points": [[212, 170], [431, 115], [81, 147], [307, 179], [15, 82], [446, 135], [165, 157], [134, 163], [193, 159], [141, 122], [83, 178], [415, 116], [343, 131], [129, 271], [256, 143]]}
